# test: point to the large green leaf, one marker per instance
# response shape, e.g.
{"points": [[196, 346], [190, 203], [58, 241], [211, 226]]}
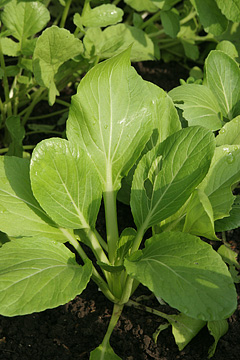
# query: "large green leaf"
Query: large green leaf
{"points": [[217, 330], [230, 133], [65, 183], [211, 16], [166, 176], [37, 274], [233, 220], [223, 78], [224, 172], [198, 281], [101, 16], [53, 48], [25, 19], [110, 118], [20, 213], [117, 38], [199, 105], [230, 8]]}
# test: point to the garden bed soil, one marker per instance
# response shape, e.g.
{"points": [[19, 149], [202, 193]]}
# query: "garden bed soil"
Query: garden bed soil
{"points": [[71, 331]]}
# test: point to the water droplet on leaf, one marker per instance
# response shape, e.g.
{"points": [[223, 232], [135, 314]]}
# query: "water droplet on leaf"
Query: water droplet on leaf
{"points": [[222, 131], [230, 158]]}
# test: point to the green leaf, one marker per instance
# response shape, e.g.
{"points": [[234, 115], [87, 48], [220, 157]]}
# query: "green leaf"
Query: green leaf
{"points": [[223, 173], [166, 176], [199, 216], [54, 47], [190, 49], [230, 257], [230, 133], [10, 47], [198, 282], [211, 16], [117, 38], [199, 105], [20, 213], [217, 330], [230, 8], [17, 133], [124, 244], [223, 78], [110, 119], [38, 274], [233, 220], [104, 352], [184, 328], [228, 47], [25, 19], [101, 16], [142, 5], [170, 22], [65, 183]]}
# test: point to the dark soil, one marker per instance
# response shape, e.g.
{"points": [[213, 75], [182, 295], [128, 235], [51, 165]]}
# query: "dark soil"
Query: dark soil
{"points": [[71, 331]]}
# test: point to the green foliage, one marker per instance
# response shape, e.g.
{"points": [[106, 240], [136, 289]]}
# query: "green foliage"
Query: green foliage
{"points": [[182, 183]]}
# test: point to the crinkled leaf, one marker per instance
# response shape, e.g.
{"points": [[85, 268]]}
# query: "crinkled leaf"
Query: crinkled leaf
{"points": [[65, 183], [17, 133], [110, 118], [25, 19], [230, 257], [104, 352], [199, 216], [170, 22], [54, 47], [233, 220], [166, 176], [101, 16], [142, 5], [20, 213], [117, 38], [223, 78], [199, 105], [211, 16], [198, 281], [217, 330], [223, 173], [230, 133], [230, 8], [37, 274]]}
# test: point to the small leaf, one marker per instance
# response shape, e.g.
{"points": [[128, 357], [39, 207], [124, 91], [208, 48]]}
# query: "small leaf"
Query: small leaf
{"points": [[199, 216], [102, 16], [25, 19], [233, 220], [217, 330], [211, 16], [125, 243], [199, 105], [10, 47], [198, 281], [110, 268], [65, 183], [170, 22], [104, 352], [230, 257], [228, 47], [142, 5], [230, 133], [223, 78], [53, 48], [17, 133], [38, 274]]}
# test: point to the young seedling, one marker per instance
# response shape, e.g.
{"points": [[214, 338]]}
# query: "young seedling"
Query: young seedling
{"points": [[117, 122]]}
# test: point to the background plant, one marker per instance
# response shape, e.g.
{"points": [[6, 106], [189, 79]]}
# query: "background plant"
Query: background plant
{"points": [[55, 199]]}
